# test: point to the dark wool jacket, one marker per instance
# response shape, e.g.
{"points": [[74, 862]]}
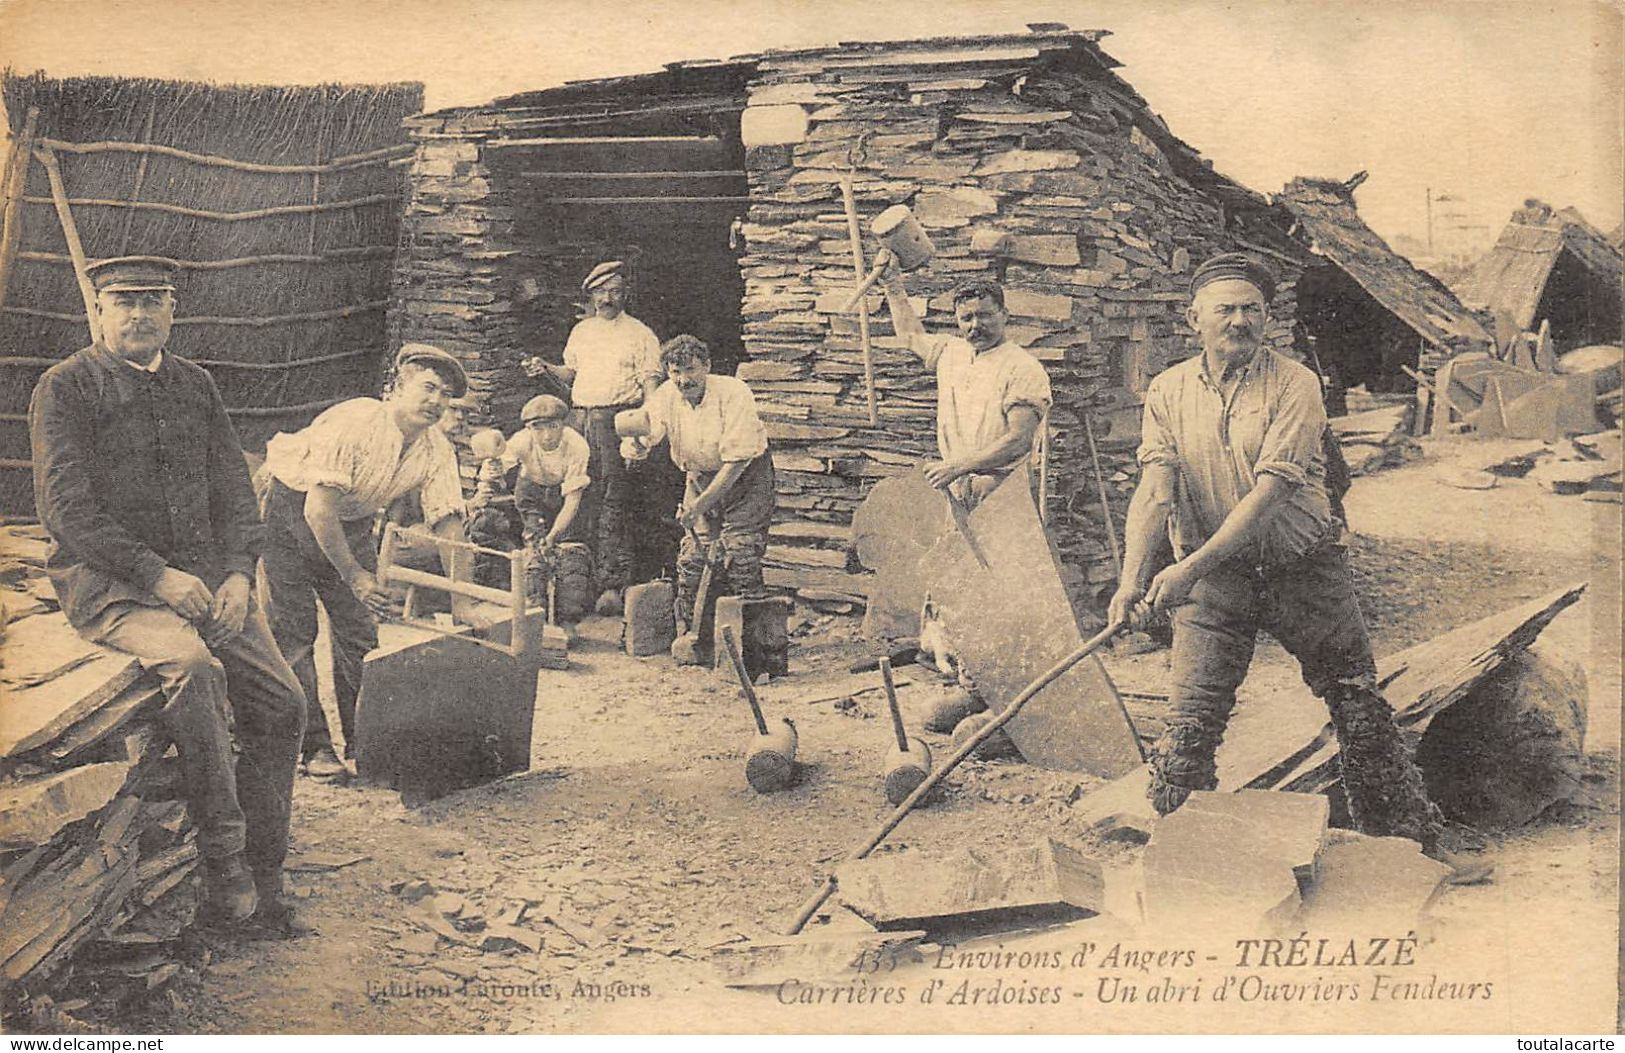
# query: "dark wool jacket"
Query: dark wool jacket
{"points": [[134, 472]]}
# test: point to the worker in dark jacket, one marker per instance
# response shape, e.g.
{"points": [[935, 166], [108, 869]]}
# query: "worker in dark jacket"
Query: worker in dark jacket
{"points": [[141, 483]]}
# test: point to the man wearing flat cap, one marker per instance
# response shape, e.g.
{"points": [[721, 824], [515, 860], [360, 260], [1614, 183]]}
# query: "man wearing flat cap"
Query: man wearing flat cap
{"points": [[612, 363], [141, 483], [321, 489], [1232, 468], [550, 461]]}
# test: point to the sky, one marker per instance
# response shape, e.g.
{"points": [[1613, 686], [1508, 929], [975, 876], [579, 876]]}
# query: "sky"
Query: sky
{"points": [[1487, 101]]}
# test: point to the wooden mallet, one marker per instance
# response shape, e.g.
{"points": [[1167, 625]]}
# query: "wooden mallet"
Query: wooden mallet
{"points": [[826, 887], [902, 239], [908, 761], [770, 762]]}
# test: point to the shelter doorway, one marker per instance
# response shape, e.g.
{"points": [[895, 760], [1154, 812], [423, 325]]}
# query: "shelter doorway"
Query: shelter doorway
{"points": [[1355, 341], [666, 204]]}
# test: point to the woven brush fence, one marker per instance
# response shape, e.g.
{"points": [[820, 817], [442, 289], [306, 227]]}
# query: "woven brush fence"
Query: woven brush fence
{"points": [[282, 204]]}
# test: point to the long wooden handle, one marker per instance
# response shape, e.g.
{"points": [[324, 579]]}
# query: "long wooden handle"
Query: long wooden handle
{"points": [[930, 782], [849, 203], [863, 288], [891, 704], [744, 679]]}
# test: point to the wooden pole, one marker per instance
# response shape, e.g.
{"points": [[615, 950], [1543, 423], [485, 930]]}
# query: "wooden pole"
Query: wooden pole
{"points": [[744, 679], [140, 177], [1105, 506], [13, 185], [70, 232], [849, 202], [1049, 676], [891, 705]]}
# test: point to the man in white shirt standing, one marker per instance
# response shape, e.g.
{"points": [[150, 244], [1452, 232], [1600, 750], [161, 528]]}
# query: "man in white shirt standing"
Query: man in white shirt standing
{"points": [[320, 491], [612, 363], [552, 462], [717, 437], [992, 394]]}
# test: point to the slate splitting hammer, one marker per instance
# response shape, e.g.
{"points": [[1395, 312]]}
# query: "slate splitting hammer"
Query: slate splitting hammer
{"points": [[827, 887], [694, 647]]}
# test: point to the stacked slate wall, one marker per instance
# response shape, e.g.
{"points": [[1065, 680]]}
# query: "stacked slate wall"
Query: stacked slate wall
{"points": [[1103, 235]]}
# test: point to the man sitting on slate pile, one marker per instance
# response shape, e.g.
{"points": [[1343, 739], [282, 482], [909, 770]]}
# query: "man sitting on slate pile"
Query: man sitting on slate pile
{"points": [[141, 483]]}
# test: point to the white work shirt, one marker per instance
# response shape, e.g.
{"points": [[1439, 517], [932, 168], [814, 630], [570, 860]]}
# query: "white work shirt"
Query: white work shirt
{"points": [[357, 448], [611, 360], [564, 466], [723, 427], [976, 392]]}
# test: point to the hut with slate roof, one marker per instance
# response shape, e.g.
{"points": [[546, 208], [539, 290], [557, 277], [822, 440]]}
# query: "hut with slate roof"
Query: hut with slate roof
{"points": [[1550, 265], [1367, 311], [1025, 156]]}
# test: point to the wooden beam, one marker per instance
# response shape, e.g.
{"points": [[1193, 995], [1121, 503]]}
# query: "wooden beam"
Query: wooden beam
{"points": [[42, 362], [710, 173], [606, 140], [337, 164], [76, 249], [11, 187], [255, 321], [655, 199], [344, 255], [224, 217]]}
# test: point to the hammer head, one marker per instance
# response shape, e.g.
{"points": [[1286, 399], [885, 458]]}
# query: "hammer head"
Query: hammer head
{"points": [[900, 232]]}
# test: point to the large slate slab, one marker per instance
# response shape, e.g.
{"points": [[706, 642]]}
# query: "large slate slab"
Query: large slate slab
{"points": [[1045, 881], [997, 580]]}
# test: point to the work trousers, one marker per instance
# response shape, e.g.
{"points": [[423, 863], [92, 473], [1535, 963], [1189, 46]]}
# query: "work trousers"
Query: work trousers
{"points": [[239, 805], [1310, 607], [604, 519], [739, 526], [297, 574], [568, 563]]}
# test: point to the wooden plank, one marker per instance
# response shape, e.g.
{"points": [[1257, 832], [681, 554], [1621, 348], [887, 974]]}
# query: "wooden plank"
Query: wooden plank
{"points": [[997, 581], [32, 811], [1284, 740]]}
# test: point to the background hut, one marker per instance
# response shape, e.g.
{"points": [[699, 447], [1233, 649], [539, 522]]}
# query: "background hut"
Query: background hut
{"points": [[1550, 265], [723, 181], [1367, 312], [282, 205]]}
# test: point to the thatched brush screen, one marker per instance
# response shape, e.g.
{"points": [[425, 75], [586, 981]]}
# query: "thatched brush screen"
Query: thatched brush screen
{"points": [[283, 205]]}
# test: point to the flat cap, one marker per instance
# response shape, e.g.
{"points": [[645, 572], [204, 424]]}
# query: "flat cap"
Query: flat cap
{"points": [[543, 407], [440, 361], [601, 274], [1239, 265], [132, 274]]}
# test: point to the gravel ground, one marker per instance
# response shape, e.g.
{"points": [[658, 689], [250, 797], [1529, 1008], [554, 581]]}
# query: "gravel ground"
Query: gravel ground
{"points": [[641, 853]]}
